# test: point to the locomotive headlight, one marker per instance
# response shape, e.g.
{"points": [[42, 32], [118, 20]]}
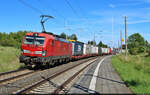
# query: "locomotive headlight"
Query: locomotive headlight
{"points": [[38, 52], [43, 53], [26, 51]]}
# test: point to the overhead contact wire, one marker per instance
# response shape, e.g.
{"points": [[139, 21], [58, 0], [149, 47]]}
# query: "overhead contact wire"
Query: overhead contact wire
{"points": [[30, 6], [72, 8]]}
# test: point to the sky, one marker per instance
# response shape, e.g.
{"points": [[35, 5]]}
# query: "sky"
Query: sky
{"points": [[85, 18]]}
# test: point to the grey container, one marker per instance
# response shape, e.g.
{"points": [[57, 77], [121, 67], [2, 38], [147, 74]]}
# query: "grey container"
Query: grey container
{"points": [[77, 48], [94, 49], [99, 51]]}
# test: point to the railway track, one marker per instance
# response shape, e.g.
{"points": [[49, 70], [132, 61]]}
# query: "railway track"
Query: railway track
{"points": [[50, 82], [8, 77], [9, 72]]}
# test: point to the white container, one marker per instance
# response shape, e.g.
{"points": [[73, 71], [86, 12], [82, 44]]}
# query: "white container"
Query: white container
{"points": [[86, 49]]}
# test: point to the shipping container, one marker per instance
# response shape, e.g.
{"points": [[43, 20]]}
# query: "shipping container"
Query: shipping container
{"points": [[102, 50], [77, 48], [94, 50], [86, 49], [90, 49], [105, 50], [99, 51]]}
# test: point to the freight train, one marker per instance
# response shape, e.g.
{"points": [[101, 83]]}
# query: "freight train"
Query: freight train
{"points": [[45, 49]]}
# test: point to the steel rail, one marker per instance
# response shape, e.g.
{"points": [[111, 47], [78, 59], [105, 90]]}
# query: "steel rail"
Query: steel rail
{"points": [[31, 87], [60, 88], [9, 72], [15, 77]]}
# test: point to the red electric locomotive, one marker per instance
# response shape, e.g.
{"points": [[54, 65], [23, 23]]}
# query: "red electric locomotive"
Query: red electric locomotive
{"points": [[44, 49]]}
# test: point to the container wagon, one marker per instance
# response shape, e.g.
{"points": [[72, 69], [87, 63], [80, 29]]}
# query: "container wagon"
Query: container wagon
{"points": [[99, 51], [77, 49], [86, 50]]}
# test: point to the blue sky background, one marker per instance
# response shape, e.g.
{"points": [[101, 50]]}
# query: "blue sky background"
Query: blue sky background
{"points": [[90, 16]]}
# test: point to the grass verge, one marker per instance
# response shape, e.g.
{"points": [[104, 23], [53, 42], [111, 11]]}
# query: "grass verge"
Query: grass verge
{"points": [[9, 59], [135, 71]]}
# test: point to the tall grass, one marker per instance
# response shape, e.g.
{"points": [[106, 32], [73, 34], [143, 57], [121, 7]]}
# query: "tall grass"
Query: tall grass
{"points": [[9, 59], [135, 71]]}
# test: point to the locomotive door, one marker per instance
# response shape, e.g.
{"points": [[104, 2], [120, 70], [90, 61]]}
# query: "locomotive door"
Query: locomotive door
{"points": [[67, 49], [52, 48]]}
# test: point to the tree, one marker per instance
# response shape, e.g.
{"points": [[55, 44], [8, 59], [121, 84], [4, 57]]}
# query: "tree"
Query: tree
{"points": [[73, 37], [102, 45], [136, 42], [13, 39], [63, 35], [147, 46], [92, 42]]}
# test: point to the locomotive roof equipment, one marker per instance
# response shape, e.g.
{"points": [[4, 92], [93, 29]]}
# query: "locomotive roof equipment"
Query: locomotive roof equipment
{"points": [[44, 20]]}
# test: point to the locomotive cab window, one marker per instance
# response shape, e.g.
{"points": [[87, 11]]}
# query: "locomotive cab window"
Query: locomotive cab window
{"points": [[36, 40]]}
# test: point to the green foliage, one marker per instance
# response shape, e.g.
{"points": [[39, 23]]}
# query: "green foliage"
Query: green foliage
{"points": [[13, 39], [73, 37], [133, 51], [137, 42], [92, 42], [63, 35], [135, 71], [148, 49], [102, 45], [142, 49]]}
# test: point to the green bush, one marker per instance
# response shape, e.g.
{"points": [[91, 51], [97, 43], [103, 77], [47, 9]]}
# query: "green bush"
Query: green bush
{"points": [[12, 39], [148, 50], [141, 49], [133, 51]]}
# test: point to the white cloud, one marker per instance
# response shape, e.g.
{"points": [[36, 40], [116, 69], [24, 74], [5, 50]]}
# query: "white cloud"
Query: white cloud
{"points": [[148, 1], [138, 21]]}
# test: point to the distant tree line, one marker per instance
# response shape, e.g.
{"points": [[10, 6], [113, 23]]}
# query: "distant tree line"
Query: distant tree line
{"points": [[92, 42], [71, 37], [14, 39], [102, 45]]}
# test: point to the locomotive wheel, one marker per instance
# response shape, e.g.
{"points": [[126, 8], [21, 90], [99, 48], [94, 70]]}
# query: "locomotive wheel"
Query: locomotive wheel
{"points": [[46, 66], [51, 64], [28, 66], [60, 61]]}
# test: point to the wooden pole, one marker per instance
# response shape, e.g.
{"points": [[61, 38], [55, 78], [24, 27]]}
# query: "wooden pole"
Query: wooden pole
{"points": [[126, 37], [121, 39]]}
